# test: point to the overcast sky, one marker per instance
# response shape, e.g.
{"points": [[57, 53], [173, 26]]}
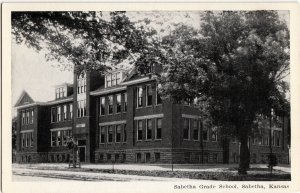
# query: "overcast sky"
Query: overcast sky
{"points": [[32, 73]]}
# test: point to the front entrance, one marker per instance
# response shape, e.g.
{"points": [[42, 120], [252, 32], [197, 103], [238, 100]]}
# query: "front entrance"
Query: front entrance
{"points": [[82, 149]]}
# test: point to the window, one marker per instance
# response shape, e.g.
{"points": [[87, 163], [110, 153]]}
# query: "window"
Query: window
{"points": [[27, 139], [158, 98], [125, 134], [60, 92], [205, 134], [118, 133], [186, 129], [81, 83], [149, 129], [139, 130], [149, 95], [266, 139], [71, 111], [102, 106], [65, 112], [27, 117], [32, 116], [53, 138], [195, 130], [276, 138], [125, 102], [118, 78], [139, 91], [58, 114], [23, 117], [113, 79], [23, 139], [102, 135], [214, 134], [58, 142], [66, 134], [81, 108], [53, 114], [118, 103], [158, 128], [110, 104], [110, 134], [31, 139]]}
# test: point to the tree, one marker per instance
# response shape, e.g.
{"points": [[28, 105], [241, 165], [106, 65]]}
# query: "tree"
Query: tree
{"points": [[236, 62], [90, 39]]}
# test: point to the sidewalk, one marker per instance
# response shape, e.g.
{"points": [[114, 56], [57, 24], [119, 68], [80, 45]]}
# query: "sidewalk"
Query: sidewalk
{"points": [[149, 167]]}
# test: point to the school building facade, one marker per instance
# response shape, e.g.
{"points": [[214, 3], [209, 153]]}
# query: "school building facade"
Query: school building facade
{"points": [[120, 117]]}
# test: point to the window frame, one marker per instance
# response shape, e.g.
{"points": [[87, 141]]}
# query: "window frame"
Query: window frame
{"points": [[139, 99], [157, 128], [139, 129], [149, 87], [188, 129], [149, 129], [118, 103]]}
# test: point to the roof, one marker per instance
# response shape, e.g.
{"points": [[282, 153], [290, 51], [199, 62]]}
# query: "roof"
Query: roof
{"points": [[24, 99]]}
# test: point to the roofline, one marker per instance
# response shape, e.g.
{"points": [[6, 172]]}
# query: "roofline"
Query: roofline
{"points": [[21, 96], [137, 81], [100, 92], [63, 84], [29, 105], [59, 101]]}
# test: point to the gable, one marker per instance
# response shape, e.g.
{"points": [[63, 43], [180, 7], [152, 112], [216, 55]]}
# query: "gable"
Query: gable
{"points": [[24, 99]]}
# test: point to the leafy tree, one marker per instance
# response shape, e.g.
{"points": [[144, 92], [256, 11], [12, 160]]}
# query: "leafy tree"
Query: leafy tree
{"points": [[236, 62], [90, 39]]}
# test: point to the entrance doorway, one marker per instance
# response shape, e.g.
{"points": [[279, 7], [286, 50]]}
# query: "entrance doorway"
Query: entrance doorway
{"points": [[82, 149]]}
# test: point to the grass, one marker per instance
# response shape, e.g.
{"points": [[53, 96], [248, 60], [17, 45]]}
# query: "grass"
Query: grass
{"points": [[223, 174]]}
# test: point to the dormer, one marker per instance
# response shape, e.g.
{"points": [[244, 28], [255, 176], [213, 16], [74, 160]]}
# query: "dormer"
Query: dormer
{"points": [[63, 90], [114, 78]]}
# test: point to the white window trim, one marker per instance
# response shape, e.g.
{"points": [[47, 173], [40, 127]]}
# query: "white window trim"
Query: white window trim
{"points": [[148, 85], [137, 97], [117, 103]]}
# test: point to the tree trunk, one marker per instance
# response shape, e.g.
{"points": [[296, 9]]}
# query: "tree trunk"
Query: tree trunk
{"points": [[244, 156]]}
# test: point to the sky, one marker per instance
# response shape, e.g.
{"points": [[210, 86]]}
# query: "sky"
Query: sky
{"points": [[32, 73]]}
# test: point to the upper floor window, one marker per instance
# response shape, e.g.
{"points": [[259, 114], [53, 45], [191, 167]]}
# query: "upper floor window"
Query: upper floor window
{"points": [[27, 116], [110, 104], [205, 134], [102, 106], [158, 129], [214, 134], [58, 113], [125, 102], [158, 98], [149, 95], [118, 103], [139, 130], [81, 108], [149, 129], [186, 129], [196, 130], [139, 98], [102, 135], [60, 92], [125, 134], [65, 115], [113, 79], [118, 133], [81, 83], [71, 111], [110, 134]]}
